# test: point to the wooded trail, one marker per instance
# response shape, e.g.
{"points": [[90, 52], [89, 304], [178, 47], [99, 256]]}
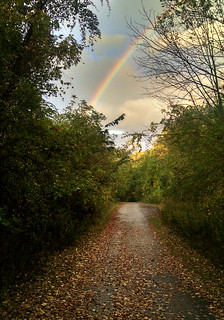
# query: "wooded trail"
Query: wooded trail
{"points": [[124, 273]]}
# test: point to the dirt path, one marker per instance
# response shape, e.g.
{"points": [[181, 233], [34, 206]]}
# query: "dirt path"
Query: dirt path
{"points": [[123, 274]]}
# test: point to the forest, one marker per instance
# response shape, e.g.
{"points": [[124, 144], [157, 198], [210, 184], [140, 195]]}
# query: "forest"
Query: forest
{"points": [[59, 170]]}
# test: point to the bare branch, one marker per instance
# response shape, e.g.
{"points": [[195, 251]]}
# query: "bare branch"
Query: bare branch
{"points": [[182, 57]]}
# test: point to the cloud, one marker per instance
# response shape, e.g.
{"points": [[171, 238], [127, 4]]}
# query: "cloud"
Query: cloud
{"points": [[121, 12], [139, 114], [111, 46], [90, 73]]}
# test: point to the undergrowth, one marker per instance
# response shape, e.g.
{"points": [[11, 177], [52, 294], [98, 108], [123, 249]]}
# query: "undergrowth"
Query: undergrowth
{"points": [[210, 276], [90, 226], [200, 229]]}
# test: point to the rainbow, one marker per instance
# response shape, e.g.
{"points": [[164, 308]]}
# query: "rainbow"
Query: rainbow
{"points": [[122, 60], [116, 68]]}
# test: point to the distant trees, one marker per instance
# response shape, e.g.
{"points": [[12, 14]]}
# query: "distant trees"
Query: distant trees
{"points": [[184, 56]]}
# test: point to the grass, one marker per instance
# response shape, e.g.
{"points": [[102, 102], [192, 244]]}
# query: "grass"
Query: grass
{"points": [[199, 270]]}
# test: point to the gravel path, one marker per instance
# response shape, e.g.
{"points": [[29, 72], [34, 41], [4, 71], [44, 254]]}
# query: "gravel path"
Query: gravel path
{"points": [[122, 274]]}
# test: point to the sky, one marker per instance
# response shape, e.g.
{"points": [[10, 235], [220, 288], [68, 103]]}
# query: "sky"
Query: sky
{"points": [[104, 77]]}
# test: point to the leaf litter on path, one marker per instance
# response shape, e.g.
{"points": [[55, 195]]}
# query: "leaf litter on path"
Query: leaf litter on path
{"points": [[123, 273]]}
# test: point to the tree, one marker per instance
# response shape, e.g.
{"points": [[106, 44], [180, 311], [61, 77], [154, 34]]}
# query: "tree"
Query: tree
{"points": [[184, 172], [59, 173], [47, 164], [193, 165], [183, 58], [33, 53]]}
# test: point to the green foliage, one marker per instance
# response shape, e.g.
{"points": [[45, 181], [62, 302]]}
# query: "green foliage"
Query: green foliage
{"points": [[194, 141], [195, 147], [31, 46], [143, 179], [184, 170], [55, 174], [125, 188], [55, 169], [204, 231]]}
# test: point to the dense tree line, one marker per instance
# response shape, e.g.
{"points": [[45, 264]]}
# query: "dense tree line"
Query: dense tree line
{"points": [[56, 169]]}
